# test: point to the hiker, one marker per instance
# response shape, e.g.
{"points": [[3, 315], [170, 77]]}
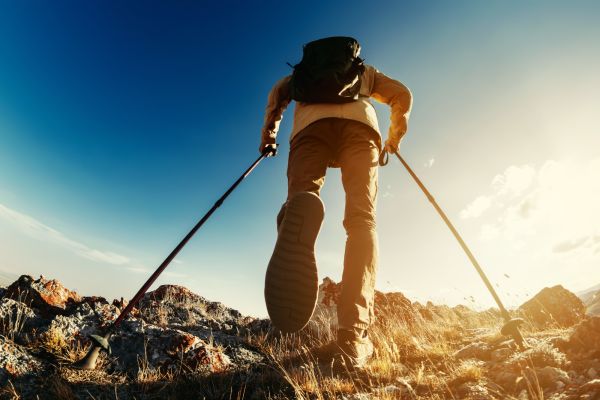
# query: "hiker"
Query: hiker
{"points": [[335, 126]]}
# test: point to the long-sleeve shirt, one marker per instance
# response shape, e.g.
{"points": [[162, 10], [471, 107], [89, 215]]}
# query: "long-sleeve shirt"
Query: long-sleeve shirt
{"points": [[374, 84]]}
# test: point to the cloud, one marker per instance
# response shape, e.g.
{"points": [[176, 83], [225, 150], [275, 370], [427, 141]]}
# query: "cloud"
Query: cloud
{"points": [[429, 163], [569, 245], [509, 185], [554, 206], [514, 180], [36, 229], [476, 208]]}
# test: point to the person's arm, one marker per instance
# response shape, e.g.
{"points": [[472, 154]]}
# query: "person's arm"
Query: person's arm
{"points": [[398, 97], [277, 102]]}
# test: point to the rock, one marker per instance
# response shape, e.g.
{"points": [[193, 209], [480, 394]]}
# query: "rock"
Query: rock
{"points": [[177, 306], [478, 350], [473, 391], [589, 390], [15, 361], [586, 336], [394, 305], [593, 385], [506, 379], [17, 321], [86, 319], [549, 376], [407, 387], [140, 347], [502, 354], [591, 373], [394, 392], [325, 313], [49, 297], [554, 307]]}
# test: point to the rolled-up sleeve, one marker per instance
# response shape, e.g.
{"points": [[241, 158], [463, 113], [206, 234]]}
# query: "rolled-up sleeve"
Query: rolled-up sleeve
{"points": [[399, 98], [278, 100]]}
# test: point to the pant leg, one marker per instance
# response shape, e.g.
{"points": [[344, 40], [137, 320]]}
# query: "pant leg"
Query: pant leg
{"points": [[358, 157], [310, 153]]}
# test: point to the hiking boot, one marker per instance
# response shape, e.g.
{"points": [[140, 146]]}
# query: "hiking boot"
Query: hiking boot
{"points": [[291, 282], [355, 346]]}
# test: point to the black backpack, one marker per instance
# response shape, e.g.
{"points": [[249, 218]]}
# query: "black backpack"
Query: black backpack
{"points": [[329, 72]]}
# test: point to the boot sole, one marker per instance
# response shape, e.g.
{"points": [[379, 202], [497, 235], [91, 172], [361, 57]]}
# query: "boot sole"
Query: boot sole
{"points": [[291, 281]]}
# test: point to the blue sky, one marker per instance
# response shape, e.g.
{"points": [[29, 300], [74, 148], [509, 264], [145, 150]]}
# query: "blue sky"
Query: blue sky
{"points": [[122, 123]]}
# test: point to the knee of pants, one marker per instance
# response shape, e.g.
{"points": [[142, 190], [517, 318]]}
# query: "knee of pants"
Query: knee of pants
{"points": [[359, 224]]}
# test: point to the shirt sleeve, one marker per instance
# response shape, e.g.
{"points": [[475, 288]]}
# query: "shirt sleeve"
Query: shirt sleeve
{"points": [[399, 98], [278, 100]]}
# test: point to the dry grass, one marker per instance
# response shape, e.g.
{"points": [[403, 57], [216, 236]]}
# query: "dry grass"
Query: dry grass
{"points": [[11, 326], [413, 360], [421, 354]]}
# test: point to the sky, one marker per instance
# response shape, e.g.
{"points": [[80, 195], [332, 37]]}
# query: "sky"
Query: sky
{"points": [[121, 123]]}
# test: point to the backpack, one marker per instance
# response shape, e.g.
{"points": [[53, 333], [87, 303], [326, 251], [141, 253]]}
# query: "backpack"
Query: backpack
{"points": [[329, 72]]}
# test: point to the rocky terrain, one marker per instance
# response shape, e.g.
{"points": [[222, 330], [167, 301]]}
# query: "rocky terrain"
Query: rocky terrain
{"points": [[591, 299], [179, 345]]}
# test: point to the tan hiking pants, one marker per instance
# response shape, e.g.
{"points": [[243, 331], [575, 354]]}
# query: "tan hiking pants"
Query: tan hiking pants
{"points": [[354, 147]]}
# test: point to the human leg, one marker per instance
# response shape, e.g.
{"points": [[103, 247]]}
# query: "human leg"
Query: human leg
{"points": [[358, 160], [291, 282]]}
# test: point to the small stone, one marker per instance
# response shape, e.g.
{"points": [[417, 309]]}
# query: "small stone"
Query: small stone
{"points": [[506, 379], [478, 350], [548, 376], [591, 373], [501, 354]]}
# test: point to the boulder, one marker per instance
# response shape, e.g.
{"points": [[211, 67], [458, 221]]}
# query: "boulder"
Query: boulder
{"points": [[586, 336], [387, 305], [87, 318], [554, 307], [49, 297], [395, 305], [17, 321], [177, 306], [139, 348], [15, 361]]}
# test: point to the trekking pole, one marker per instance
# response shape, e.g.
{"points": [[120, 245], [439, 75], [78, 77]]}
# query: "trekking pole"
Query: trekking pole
{"points": [[100, 342], [511, 325]]}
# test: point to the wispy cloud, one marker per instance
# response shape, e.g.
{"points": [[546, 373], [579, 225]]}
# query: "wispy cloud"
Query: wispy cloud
{"points": [[429, 163], [555, 204], [570, 245], [476, 207], [38, 230]]}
